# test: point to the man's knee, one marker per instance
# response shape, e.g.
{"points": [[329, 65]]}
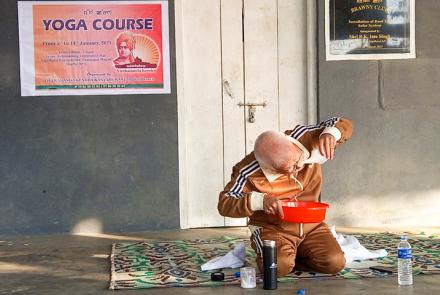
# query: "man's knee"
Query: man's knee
{"points": [[285, 265], [334, 263]]}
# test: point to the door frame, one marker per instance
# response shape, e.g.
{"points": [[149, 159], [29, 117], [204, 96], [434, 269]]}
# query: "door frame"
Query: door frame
{"points": [[183, 101]]}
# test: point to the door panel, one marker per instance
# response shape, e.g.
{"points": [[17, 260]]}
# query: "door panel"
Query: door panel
{"points": [[261, 66], [233, 91], [292, 63], [202, 108]]}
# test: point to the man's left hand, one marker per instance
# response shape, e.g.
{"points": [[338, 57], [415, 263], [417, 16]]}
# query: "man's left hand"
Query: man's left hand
{"points": [[327, 143]]}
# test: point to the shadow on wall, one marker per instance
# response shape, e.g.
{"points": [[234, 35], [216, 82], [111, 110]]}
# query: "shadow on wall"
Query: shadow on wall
{"points": [[391, 209], [386, 176]]}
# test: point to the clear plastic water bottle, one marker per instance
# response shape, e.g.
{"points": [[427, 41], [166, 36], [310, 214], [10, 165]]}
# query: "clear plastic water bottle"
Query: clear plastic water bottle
{"points": [[404, 261]]}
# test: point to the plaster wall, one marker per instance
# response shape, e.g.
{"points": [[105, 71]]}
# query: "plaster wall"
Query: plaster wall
{"points": [[84, 163], [389, 172]]}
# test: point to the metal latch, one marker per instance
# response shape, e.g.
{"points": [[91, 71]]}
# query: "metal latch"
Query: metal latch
{"points": [[252, 109]]}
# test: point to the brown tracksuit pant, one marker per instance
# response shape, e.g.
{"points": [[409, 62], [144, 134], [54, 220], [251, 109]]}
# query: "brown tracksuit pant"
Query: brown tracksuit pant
{"points": [[317, 250]]}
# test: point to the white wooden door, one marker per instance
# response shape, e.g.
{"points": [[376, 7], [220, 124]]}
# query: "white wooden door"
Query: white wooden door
{"points": [[257, 62], [256, 52], [250, 73]]}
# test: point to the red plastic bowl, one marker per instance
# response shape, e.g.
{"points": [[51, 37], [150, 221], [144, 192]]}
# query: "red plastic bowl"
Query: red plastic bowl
{"points": [[304, 212]]}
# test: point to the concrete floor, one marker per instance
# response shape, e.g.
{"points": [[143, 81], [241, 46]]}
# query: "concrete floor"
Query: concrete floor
{"points": [[74, 264]]}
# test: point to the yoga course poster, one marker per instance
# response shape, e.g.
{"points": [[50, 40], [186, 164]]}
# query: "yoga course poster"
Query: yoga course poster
{"points": [[92, 48]]}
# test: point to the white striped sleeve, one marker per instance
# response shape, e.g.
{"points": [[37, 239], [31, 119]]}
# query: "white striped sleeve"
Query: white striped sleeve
{"points": [[237, 189]]}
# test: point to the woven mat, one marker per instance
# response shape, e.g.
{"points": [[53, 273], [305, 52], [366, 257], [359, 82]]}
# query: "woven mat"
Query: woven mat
{"points": [[157, 264]]}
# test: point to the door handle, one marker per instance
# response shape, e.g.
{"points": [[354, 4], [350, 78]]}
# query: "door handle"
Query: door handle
{"points": [[252, 109]]}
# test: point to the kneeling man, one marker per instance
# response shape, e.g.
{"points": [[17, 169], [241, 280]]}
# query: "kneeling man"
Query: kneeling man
{"points": [[287, 166]]}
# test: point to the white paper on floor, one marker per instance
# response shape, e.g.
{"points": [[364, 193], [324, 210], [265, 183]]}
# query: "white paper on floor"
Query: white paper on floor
{"points": [[361, 264], [353, 250], [235, 258]]}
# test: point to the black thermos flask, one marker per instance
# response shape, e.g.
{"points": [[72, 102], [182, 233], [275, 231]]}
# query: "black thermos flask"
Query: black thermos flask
{"points": [[269, 265]]}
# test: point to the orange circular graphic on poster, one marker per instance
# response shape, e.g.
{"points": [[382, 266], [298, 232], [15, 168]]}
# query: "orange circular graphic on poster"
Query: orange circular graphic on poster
{"points": [[136, 51]]}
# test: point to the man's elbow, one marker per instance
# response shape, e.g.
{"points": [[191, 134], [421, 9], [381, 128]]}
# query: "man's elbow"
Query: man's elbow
{"points": [[221, 206], [346, 128], [220, 210]]}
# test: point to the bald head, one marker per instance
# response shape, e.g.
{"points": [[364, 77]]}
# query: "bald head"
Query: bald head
{"points": [[273, 150]]}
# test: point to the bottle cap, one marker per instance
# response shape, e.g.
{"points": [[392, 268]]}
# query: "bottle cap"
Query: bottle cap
{"points": [[269, 243], [403, 238]]}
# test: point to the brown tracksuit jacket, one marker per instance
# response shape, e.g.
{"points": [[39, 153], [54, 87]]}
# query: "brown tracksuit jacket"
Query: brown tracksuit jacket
{"points": [[247, 177]]}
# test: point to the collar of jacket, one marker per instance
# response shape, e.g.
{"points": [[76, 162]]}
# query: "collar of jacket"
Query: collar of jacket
{"points": [[271, 177], [269, 174]]}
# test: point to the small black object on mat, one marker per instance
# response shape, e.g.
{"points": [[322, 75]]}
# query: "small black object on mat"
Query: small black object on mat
{"points": [[217, 276]]}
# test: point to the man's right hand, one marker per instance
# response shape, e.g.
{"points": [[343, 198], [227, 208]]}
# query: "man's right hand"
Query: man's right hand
{"points": [[272, 205]]}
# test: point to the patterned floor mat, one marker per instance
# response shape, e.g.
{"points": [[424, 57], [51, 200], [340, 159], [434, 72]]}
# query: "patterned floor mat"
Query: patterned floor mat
{"points": [[156, 264]]}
